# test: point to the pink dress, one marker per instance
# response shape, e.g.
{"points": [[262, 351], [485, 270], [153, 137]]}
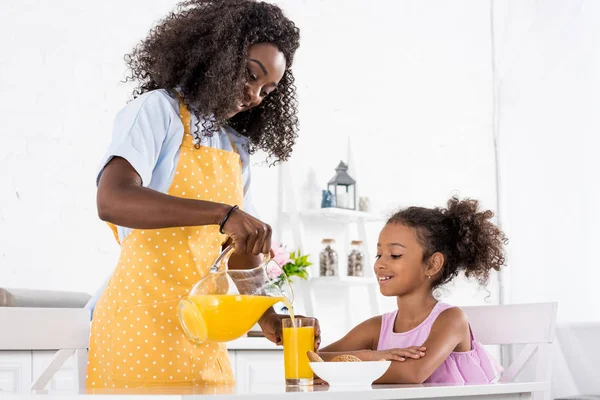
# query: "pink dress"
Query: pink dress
{"points": [[475, 366]]}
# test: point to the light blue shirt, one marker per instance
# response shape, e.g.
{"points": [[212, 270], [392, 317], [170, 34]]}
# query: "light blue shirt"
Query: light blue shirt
{"points": [[148, 133]]}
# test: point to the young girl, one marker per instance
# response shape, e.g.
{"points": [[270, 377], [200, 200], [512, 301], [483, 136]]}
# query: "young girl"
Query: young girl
{"points": [[419, 250]]}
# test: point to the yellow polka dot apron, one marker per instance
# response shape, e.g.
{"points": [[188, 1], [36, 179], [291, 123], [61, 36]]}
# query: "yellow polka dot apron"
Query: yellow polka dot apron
{"points": [[136, 339]]}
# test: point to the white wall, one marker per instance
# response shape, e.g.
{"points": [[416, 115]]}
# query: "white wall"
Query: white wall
{"points": [[548, 80], [410, 82], [60, 71]]}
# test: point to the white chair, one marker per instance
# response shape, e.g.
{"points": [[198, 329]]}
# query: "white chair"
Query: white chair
{"points": [[532, 325], [65, 330]]}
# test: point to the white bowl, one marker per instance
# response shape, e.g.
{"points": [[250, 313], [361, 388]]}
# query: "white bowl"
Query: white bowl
{"points": [[350, 373]]}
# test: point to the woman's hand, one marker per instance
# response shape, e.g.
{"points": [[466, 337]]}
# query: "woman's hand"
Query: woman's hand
{"points": [[414, 352], [249, 235], [272, 329]]}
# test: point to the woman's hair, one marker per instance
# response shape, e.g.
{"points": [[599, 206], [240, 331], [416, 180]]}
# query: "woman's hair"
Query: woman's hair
{"points": [[467, 238], [201, 50]]}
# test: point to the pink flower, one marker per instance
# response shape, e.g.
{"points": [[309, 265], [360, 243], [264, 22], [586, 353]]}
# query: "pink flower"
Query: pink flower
{"points": [[274, 271], [280, 255]]}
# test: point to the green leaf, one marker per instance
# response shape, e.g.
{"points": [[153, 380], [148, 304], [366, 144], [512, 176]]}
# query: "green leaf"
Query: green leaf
{"points": [[297, 266]]}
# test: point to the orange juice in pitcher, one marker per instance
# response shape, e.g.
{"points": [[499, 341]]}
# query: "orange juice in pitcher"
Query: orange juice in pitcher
{"points": [[222, 318], [226, 303]]}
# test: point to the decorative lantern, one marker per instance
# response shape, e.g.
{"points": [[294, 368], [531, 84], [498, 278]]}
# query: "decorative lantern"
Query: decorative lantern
{"points": [[343, 187]]}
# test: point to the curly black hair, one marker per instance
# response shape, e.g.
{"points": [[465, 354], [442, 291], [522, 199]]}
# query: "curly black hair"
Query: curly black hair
{"points": [[200, 49], [469, 241]]}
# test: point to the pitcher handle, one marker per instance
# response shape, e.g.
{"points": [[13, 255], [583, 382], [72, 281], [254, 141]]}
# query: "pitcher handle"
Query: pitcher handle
{"points": [[226, 253]]}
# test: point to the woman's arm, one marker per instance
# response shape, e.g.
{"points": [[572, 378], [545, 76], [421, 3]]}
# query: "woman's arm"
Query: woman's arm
{"points": [[122, 200], [450, 329]]}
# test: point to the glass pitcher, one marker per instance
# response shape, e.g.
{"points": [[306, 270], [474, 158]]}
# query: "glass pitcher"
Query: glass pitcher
{"points": [[227, 303]]}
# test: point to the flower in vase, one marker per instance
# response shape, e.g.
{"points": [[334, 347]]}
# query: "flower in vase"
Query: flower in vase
{"points": [[292, 264], [280, 255], [274, 271]]}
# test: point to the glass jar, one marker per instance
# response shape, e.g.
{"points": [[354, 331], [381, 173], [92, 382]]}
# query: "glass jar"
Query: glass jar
{"points": [[356, 259], [328, 259]]}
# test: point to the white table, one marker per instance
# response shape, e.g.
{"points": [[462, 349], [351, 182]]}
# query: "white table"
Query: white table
{"points": [[500, 391]]}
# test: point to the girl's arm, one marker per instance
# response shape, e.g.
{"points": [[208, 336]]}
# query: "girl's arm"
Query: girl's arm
{"points": [[362, 342], [450, 329], [357, 342]]}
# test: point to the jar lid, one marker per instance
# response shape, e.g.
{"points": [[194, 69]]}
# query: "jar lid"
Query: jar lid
{"points": [[328, 241], [356, 242]]}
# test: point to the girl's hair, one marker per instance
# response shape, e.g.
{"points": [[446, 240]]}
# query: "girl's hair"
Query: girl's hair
{"points": [[201, 49], [467, 238]]}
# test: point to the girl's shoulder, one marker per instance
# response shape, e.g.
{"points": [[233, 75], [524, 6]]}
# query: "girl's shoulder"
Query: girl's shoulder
{"points": [[373, 322], [452, 316], [448, 316]]}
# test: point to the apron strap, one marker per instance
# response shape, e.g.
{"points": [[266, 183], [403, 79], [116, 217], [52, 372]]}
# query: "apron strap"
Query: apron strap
{"points": [[185, 116], [115, 232], [231, 142]]}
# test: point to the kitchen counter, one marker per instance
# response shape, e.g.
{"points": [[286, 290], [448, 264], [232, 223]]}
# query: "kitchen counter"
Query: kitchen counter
{"points": [[496, 391], [252, 343]]}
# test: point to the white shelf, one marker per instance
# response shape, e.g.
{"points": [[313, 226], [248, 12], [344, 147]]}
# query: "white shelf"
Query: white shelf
{"points": [[336, 221], [340, 215], [343, 280]]}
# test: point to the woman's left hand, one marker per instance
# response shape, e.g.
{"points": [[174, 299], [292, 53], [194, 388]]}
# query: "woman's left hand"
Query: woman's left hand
{"points": [[271, 326]]}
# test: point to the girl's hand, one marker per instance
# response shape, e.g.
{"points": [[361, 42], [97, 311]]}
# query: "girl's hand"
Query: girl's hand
{"points": [[414, 352]]}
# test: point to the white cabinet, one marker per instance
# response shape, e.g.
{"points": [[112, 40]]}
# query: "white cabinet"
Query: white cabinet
{"points": [[18, 370], [15, 371], [232, 359], [256, 368]]}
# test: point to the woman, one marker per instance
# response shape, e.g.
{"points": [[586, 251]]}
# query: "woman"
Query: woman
{"points": [[214, 85]]}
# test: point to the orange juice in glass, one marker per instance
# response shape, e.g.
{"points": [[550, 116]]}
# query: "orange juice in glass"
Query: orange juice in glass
{"points": [[298, 339]]}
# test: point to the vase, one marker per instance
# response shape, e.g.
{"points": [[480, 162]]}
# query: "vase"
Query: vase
{"points": [[364, 204], [327, 199]]}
